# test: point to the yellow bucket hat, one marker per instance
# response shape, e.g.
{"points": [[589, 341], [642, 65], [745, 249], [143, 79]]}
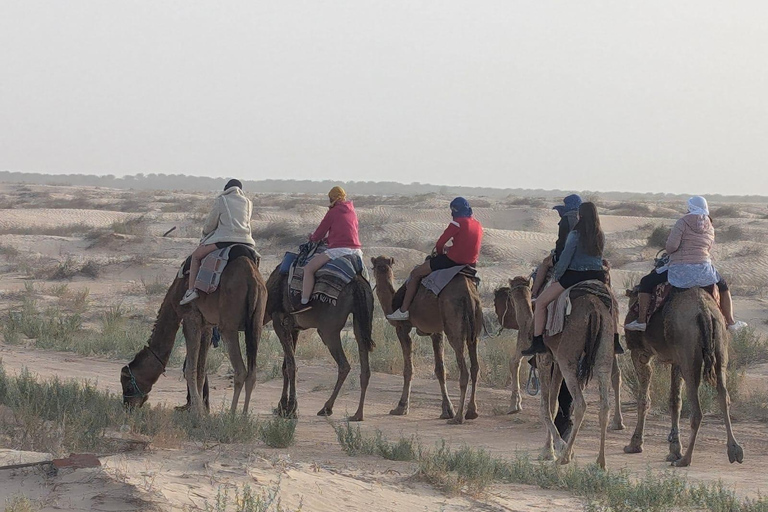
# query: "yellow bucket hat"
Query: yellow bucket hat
{"points": [[337, 194]]}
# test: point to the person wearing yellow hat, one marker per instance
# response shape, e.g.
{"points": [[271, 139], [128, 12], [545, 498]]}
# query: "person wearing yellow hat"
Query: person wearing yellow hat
{"points": [[339, 229]]}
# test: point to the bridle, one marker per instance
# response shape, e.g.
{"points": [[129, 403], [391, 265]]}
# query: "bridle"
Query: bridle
{"points": [[134, 384]]}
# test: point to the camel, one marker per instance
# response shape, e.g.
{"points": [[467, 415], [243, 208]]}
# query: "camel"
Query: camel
{"points": [[689, 333], [583, 349], [356, 298], [238, 304], [518, 315], [456, 312]]}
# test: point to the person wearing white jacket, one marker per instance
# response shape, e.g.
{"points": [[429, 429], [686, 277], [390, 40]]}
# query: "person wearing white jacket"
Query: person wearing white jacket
{"points": [[228, 223]]}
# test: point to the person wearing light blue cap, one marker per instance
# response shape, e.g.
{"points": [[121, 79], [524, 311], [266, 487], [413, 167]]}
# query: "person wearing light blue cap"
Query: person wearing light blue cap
{"points": [[569, 215]]}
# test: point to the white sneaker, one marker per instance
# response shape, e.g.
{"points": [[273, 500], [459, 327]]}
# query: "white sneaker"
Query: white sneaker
{"points": [[189, 297], [635, 326], [737, 326], [399, 315]]}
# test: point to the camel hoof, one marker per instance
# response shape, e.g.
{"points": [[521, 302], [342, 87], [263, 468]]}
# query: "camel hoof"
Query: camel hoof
{"points": [[399, 411], [325, 412], [514, 410], [631, 448], [471, 415], [356, 417], [184, 407], [682, 463], [456, 420], [547, 454], [447, 415], [285, 411], [672, 457], [735, 454], [601, 463], [562, 461], [617, 425]]}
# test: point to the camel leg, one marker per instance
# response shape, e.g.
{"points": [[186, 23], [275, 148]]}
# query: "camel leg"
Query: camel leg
{"points": [[605, 407], [231, 339], [288, 406], [191, 328], [675, 404], [618, 419], [332, 340], [641, 360], [692, 382], [458, 347], [735, 452], [437, 348], [365, 375], [474, 367], [406, 344], [250, 375], [202, 361], [514, 372], [579, 408], [549, 382]]}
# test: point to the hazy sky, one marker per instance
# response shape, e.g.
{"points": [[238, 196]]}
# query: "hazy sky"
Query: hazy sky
{"points": [[587, 95]]}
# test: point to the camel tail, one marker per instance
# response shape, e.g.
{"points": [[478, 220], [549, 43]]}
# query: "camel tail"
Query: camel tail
{"points": [[594, 333], [709, 346], [362, 311], [254, 314]]}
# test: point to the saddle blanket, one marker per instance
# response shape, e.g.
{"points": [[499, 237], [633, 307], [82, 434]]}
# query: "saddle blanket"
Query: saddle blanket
{"points": [[439, 279], [560, 308], [212, 266], [330, 279]]}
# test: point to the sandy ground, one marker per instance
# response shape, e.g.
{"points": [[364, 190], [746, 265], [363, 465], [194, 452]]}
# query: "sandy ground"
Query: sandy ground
{"points": [[315, 472]]}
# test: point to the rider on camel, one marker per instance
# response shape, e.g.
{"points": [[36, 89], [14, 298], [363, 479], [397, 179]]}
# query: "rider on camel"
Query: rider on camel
{"points": [[689, 245], [466, 233], [339, 229]]}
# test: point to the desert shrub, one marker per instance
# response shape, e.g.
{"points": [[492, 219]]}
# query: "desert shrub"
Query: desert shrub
{"points": [[62, 417], [535, 202], [246, 500], [353, 442], [616, 257], [495, 354], [281, 233], [732, 233], [9, 252], [66, 230], [71, 267], [658, 237], [726, 212], [472, 470], [136, 226], [747, 347], [21, 504], [278, 432], [155, 286]]}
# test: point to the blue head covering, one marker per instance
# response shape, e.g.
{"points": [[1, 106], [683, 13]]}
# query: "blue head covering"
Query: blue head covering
{"points": [[570, 203], [460, 208]]}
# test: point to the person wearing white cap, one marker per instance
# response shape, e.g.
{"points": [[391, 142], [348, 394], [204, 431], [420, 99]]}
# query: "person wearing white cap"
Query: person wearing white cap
{"points": [[689, 245]]}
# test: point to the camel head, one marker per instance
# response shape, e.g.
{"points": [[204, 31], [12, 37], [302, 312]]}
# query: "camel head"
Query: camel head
{"points": [[134, 395], [382, 268]]}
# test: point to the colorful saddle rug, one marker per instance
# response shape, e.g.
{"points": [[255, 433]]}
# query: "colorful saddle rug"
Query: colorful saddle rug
{"points": [[330, 279]]}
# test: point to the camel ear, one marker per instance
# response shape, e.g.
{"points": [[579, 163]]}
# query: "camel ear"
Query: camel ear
{"points": [[628, 292], [391, 261], [373, 261], [510, 281]]}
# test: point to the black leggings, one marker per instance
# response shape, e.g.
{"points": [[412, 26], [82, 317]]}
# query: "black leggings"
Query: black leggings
{"points": [[649, 282]]}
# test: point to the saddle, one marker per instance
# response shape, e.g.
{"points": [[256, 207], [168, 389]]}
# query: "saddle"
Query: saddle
{"points": [[439, 279], [212, 266], [559, 309], [659, 297], [330, 279]]}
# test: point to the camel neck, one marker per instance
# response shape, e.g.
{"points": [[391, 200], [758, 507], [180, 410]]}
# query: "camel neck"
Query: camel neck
{"points": [[385, 291], [166, 326]]}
